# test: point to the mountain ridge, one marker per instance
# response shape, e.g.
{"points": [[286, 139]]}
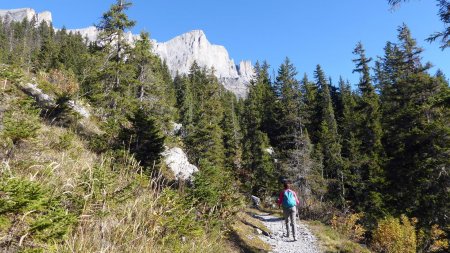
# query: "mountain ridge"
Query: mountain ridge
{"points": [[179, 52]]}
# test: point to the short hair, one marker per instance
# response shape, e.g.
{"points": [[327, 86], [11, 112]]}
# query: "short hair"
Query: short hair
{"points": [[286, 184]]}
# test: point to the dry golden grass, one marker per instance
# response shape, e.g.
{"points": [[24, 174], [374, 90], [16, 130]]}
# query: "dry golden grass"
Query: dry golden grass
{"points": [[119, 209], [331, 240]]}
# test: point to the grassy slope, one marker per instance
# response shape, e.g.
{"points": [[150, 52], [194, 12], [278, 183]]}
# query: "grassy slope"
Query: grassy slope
{"points": [[116, 208]]}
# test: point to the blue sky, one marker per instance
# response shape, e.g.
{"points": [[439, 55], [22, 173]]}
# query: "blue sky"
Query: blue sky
{"points": [[309, 32]]}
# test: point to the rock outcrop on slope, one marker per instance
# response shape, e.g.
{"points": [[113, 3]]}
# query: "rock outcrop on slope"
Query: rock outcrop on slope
{"points": [[178, 163], [179, 53], [18, 15]]}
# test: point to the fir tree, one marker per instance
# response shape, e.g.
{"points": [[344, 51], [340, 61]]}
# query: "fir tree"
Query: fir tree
{"points": [[204, 134], [144, 139], [415, 136], [329, 140], [370, 134]]}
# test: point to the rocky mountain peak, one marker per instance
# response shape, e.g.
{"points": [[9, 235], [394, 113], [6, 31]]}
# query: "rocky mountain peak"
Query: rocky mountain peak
{"points": [[18, 15], [181, 51]]}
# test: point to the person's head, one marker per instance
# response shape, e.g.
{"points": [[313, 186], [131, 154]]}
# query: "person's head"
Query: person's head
{"points": [[287, 184]]}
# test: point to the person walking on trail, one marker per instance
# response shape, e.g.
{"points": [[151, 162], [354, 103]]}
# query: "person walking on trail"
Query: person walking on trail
{"points": [[288, 199]]}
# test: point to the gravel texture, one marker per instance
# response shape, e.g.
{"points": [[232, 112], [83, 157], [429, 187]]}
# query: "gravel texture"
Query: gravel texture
{"points": [[306, 241]]}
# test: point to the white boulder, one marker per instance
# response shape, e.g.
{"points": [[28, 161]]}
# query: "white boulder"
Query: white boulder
{"points": [[178, 163]]}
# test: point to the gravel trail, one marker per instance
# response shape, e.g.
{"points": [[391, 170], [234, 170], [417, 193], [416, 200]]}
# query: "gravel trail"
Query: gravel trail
{"points": [[306, 241]]}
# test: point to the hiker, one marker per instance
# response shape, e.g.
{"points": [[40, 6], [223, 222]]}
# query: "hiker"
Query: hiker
{"points": [[288, 199]]}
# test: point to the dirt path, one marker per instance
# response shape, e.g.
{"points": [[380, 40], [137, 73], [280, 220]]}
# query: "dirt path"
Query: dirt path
{"points": [[306, 241]]}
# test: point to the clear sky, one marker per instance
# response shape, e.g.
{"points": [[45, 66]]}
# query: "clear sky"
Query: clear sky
{"points": [[309, 32]]}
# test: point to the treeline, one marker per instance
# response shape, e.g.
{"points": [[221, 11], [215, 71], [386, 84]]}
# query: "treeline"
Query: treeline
{"points": [[381, 149]]}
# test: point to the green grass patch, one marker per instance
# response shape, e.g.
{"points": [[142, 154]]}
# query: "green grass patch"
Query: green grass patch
{"points": [[248, 239]]}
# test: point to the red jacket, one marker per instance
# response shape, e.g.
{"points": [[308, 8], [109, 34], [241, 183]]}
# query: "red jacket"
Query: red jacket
{"points": [[280, 198]]}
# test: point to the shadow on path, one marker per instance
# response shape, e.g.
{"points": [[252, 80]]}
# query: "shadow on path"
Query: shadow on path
{"points": [[269, 219]]}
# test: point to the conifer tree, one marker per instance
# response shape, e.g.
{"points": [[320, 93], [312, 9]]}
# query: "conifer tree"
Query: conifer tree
{"points": [[258, 173], [269, 109], [370, 133], [288, 93], [416, 137], [293, 142], [232, 135], [205, 135], [152, 82], [351, 157], [311, 109], [117, 76], [144, 139], [328, 140]]}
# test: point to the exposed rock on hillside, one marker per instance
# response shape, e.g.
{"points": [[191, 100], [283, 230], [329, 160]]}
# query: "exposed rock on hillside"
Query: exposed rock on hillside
{"points": [[177, 161]]}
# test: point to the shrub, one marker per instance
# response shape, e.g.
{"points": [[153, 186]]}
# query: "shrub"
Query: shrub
{"points": [[215, 192], [394, 235], [30, 215], [21, 121], [10, 73], [432, 240], [348, 226], [65, 80], [59, 82], [65, 141]]}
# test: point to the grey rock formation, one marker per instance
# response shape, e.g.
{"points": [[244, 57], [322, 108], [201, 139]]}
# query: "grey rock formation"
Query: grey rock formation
{"points": [[48, 101], [178, 163], [25, 13], [180, 52]]}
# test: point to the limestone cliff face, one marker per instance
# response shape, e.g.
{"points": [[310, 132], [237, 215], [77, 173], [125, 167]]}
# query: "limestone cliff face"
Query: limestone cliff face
{"points": [[25, 13], [179, 53]]}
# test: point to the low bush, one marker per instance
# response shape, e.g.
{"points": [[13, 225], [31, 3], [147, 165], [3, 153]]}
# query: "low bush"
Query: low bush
{"points": [[432, 240], [31, 217], [349, 226], [214, 192], [21, 121], [394, 235]]}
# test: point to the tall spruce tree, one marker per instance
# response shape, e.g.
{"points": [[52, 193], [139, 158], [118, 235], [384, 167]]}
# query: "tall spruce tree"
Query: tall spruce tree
{"points": [[288, 95], [370, 133], [293, 141], [328, 140], [351, 157], [416, 137], [258, 172], [117, 77], [232, 135], [311, 111], [204, 134]]}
